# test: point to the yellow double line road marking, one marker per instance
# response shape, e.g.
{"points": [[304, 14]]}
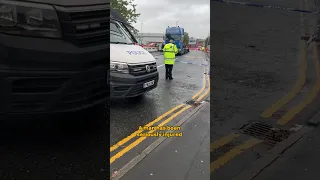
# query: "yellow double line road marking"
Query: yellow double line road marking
{"points": [[268, 113], [223, 141], [302, 69], [206, 81], [310, 96], [276, 106], [128, 138], [207, 92], [222, 160], [297, 87], [202, 89], [233, 153], [138, 141], [315, 89]]}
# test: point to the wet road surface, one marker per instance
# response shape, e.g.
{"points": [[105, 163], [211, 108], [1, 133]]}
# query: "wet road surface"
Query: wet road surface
{"points": [[259, 75], [127, 115]]}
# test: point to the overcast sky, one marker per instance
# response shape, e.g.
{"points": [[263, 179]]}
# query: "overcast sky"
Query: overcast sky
{"points": [[193, 16]]}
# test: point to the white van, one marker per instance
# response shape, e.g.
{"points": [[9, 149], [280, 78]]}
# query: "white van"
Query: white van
{"points": [[133, 70]]}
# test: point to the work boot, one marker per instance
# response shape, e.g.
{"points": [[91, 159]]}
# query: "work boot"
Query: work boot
{"points": [[171, 78]]}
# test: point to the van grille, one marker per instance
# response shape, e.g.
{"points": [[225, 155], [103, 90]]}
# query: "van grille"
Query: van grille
{"points": [[33, 93], [52, 92], [138, 89], [85, 28], [138, 70], [93, 88]]}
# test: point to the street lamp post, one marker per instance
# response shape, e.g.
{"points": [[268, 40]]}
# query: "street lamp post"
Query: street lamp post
{"points": [[177, 23], [141, 33]]}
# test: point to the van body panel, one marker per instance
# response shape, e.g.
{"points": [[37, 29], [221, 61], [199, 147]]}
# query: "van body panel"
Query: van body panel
{"points": [[131, 54], [141, 75], [126, 85]]}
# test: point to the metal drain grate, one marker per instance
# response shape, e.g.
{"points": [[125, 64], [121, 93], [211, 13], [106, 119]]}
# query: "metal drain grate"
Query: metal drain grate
{"points": [[191, 102], [266, 132]]}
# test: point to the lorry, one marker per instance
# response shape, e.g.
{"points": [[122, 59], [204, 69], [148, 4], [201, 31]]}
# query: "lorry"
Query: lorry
{"points": [[177, 33], [133, 70], [200, 43], [192, 43], [53, 56]]}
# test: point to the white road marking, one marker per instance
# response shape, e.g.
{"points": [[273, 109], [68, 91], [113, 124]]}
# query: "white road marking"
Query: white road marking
{"points": [[163, 64]]}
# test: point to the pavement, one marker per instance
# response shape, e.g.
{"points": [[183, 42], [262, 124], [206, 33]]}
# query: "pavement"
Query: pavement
{"points": [[301, 161], [179, 158], [263, 73]]}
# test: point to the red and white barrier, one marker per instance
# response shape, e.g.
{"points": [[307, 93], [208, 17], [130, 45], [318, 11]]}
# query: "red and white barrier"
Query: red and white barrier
{"points": [[150, 49]]}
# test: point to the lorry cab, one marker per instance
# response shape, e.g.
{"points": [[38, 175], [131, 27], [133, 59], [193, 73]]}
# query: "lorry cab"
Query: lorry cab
{"points": [[177, 33], [133, 70]]}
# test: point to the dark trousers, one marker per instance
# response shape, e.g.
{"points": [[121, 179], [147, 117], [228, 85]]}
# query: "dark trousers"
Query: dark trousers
{"points": [[169, 71]]}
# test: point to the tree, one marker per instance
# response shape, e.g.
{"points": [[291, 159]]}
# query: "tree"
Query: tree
{"points": [[186, 38], [127, 9]]}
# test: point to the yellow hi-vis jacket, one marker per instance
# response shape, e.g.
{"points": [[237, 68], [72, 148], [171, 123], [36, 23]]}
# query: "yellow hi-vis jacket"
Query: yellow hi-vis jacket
{"points": [[202, 48], [169, 52]]}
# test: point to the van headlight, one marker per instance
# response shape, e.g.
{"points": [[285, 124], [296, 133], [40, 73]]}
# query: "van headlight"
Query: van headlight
{"points": [[29, 19], [119, 67]]}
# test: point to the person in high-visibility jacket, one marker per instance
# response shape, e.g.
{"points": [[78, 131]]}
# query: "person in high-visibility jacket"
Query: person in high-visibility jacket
{"points": [[169, 52], [202, 48]]}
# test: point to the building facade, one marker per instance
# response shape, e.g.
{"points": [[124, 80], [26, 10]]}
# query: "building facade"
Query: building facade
{"points": [[200, 42], [150, 38]]}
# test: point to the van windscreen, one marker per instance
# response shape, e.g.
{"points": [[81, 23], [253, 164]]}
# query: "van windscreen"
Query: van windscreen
{"points": [[118, 35]]}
